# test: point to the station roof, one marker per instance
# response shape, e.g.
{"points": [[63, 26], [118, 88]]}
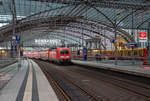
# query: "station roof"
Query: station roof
{"points": [[51, 16]]}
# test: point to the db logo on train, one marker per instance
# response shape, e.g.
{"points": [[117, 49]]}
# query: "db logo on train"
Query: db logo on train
{"points": [[142, 35]]}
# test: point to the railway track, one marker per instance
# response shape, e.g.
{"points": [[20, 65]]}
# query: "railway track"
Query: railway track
{"points": [[130, 87], [58, 89], [135, 87], [72, 92], [125, 84]]}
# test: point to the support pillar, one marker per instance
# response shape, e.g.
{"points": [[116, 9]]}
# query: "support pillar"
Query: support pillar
{"points": [[148, 47], [13, 10], [115, 32]]}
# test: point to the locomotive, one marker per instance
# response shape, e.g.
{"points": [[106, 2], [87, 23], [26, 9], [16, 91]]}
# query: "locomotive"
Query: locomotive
{"points": [[60, 55]]}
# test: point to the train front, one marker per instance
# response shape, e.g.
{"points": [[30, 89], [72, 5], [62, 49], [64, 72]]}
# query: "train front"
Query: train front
{"points": [[64, 55]]}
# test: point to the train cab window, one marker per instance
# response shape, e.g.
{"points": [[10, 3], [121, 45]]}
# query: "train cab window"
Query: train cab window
{"points": [[66, 52], [62, 52]]}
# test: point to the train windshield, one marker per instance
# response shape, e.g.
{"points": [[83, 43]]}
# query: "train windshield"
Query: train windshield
{"points": [[63, 52]]}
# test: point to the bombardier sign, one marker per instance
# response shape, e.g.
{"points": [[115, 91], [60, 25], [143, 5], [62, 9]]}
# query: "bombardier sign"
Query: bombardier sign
{"points": [[143, 36]]}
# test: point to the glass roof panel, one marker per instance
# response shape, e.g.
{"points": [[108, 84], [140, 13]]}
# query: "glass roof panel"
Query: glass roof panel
{"points": [[108, 12]]}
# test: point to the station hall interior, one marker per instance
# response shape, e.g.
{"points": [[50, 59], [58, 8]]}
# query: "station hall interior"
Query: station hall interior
{"points": [[74, 50]]}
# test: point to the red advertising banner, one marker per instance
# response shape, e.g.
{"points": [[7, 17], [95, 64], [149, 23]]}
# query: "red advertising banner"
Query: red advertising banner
{"points": [[143, 35]]}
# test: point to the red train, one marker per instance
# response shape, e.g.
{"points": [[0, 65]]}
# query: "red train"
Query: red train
{"points": [[59, 55]]}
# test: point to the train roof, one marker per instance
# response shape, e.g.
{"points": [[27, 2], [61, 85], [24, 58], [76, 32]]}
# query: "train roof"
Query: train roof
{"points": [[63, 48]]}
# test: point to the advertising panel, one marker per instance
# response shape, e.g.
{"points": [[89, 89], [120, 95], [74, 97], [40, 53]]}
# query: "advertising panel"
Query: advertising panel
{"points": [[143, 37]]}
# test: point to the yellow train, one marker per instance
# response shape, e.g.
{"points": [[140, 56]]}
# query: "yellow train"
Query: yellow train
{"points": [[123, 52]]}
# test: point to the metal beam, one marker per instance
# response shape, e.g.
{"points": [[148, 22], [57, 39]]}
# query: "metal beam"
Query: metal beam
{"points": [[61, 23], [104, 3], [104, 15], [143, 23], [130, 14], [14, 19]]}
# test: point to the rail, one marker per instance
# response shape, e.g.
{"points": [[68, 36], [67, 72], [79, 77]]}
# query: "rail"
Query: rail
{"points": [[59, 88]]}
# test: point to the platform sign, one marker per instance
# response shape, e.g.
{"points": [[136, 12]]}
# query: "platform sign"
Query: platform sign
{"points": [[85, 54], [133, 45], [143, 36], [113, 41], [84, 50], [17, 38], [15, 43]]}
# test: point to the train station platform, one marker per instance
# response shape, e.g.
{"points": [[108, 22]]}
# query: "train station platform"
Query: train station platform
{"points": [[27, 83], [136, 68]]}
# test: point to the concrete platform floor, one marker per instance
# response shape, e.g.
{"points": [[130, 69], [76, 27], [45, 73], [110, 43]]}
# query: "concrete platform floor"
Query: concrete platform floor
{"points": [[124, 66], [27, 84]]}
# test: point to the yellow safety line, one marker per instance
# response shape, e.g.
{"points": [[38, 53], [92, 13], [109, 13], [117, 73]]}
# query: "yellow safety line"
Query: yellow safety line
{"points": [[28, 89]]}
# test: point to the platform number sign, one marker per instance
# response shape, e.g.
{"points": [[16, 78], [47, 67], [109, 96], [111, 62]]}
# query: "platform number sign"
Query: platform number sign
{"points": [[143, 36]]}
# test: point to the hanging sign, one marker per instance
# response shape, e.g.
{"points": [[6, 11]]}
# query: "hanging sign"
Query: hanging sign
{"points": [[17, 38], [143, 36]]}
